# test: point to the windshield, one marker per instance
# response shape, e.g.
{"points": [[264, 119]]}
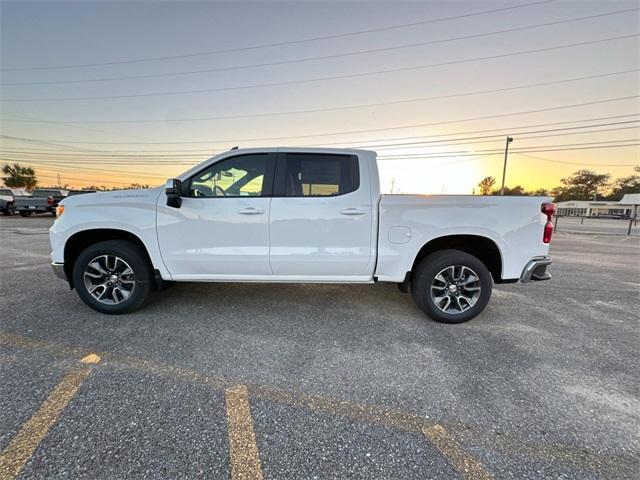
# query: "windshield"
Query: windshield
{"points": [[5, 191]]}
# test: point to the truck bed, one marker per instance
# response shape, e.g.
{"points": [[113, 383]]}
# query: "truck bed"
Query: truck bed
{"points": [[407, 222]]}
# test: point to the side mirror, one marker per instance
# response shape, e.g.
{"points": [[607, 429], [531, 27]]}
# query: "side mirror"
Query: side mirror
{"points": [[173, 190]]}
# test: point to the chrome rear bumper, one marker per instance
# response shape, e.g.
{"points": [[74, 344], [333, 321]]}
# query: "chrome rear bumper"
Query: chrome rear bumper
{"points": [[58, 269], [536, 270]]}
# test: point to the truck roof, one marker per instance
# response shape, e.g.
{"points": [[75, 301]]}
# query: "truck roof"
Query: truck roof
{"points": [[296, 149]]}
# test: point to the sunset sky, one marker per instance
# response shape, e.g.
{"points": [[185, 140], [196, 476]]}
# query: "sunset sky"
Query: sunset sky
{"points": [[66, 108]]}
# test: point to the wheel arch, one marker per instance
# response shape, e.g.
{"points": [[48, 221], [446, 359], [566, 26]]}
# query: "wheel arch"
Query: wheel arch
{"points": [[484, 248], [79, 241]]}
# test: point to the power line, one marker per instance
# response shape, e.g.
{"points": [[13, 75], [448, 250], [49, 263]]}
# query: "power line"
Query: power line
{"points": [[320, 57], [153, 158], [409, 155], [535, 157], [320, 79], [503, 131], [475, 156], [102, 155], [278, 44], [498, 139], [427, 143], [89, 169], [532, 148], [88, 180], [528, 151], [330, 109], [327, 134]]}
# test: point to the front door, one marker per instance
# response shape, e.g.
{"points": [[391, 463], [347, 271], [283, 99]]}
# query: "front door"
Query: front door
{"points": [[321, 217], [221, 229]]}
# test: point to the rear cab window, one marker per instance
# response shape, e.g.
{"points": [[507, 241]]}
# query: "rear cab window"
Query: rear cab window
{"points": [[46, 193]]}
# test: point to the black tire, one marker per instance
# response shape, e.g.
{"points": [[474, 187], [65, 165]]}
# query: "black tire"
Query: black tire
{"points": [[137, 260], [25, 214], [425, 273]]}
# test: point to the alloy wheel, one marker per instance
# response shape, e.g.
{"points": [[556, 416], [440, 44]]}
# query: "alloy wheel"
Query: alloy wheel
{"points": [[455, 289], [109, 279]]}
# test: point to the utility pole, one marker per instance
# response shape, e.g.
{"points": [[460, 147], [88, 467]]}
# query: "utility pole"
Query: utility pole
{"points": [[59, 183], [504, 169], [393, 182]]}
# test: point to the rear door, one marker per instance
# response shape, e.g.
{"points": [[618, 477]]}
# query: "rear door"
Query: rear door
{"points": [[321, 217]]}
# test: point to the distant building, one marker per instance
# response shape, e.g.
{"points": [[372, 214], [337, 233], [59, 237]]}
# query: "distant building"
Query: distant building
{"points": [[587, 208]]}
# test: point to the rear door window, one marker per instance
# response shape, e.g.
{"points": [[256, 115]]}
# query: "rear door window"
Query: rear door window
{"points": [[317, 175]]}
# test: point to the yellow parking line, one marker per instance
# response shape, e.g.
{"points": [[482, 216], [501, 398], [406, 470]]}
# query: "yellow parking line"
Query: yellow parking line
{"points": [[92, 358], [555, 454], [243, 450], [451, 449], [15, 456]]}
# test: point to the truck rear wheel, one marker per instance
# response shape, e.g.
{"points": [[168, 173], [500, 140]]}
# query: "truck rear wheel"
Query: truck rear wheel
{"points": [[113, 277], [451, 286]]}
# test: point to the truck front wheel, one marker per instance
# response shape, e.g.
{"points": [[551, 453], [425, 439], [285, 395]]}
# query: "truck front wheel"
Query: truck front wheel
{"points": [[113, 277], [451, 286]]}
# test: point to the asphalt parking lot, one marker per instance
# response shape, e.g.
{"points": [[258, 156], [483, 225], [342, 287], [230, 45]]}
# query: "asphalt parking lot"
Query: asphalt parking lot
{"points": [[322, 381]]}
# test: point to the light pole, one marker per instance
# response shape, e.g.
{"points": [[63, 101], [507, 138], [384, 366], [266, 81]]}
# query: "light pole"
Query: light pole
{"points": [[504, 169]]}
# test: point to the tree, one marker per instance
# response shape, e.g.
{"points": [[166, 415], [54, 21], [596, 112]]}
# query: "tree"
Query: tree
{"points": [[486, 184], [133, 186], [540, 192], [582, 185], [17, 176], [518, 190], [624, 185]]}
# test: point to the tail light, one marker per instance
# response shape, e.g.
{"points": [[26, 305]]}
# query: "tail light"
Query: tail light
{"points": [[548, 230], [549, 209], [49, 200]]}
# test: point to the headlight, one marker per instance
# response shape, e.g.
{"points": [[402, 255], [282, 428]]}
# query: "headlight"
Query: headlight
{"points": [[59, 210]]}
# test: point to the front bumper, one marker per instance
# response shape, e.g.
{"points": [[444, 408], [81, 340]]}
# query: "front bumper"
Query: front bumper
{"points": [[58, 269], [536, 270]]}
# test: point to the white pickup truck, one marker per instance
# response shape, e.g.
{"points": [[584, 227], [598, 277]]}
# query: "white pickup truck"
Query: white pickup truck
{"points": [[298, 215]]}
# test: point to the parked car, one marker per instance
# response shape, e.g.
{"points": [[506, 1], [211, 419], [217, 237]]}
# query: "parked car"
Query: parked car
{"points": [[8, 199], [298, 215], [40, 201]]}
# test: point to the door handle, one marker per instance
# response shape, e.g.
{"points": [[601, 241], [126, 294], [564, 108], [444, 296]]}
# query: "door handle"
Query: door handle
{"points": [[353, 211], [250, 211]]}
